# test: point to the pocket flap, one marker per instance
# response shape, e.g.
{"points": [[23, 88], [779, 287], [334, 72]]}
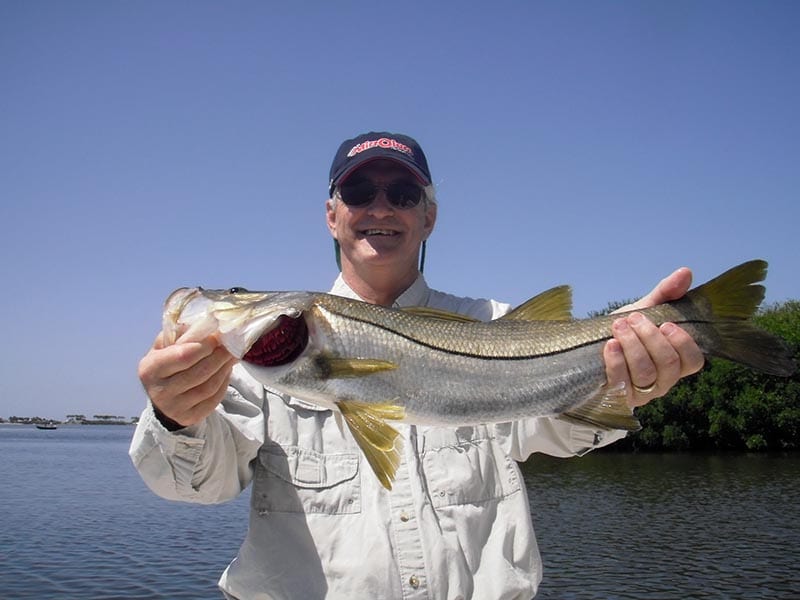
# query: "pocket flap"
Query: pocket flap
{"points": [[307, 468]]}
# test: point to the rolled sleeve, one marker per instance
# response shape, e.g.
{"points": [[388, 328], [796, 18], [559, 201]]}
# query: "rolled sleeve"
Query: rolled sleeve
{"points": [[166, 460], [206, 463]]}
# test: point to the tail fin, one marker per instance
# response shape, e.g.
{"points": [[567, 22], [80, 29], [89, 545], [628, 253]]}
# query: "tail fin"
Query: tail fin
{"points": [[734, 297], [734, 294]]}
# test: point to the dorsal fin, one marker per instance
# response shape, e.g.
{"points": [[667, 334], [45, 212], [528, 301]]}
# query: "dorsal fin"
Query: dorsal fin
{"points": [[553, 305]]}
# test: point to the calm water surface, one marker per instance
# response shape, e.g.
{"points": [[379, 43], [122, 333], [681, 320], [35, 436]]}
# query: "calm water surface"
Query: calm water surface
{"points": [[667, 526], [77, 522]]}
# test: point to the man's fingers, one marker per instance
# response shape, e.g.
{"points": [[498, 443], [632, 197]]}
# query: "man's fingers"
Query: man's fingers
{"points": [[187, 373], [652, 365], [162, 363], [642, 371], [690, 356], [159, 343], [647, 359], [663, 364], [616, 367], [197, 403]]}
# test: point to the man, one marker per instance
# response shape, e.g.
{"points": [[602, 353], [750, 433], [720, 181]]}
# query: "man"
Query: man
{"points": [[456, 523]]}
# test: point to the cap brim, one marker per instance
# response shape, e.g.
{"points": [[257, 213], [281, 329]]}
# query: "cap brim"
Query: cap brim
{"points": [[409, 165]]}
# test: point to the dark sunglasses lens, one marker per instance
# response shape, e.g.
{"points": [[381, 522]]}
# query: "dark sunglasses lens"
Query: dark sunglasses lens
{"points": [[358, 193], [404, 195], [401, 194]]}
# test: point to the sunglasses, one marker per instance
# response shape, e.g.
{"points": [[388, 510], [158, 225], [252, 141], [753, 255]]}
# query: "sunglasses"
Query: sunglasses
{"points": [[401, 194]]}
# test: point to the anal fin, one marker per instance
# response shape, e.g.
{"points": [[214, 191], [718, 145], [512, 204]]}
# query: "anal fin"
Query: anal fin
{"points": [[376, 438], [607, 409]]}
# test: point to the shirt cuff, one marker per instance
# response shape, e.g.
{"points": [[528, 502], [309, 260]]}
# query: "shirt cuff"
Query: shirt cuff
{"points": [[587, 439], [165, 425]]}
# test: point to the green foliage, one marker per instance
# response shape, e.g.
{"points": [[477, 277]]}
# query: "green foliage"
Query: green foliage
{"points": [[728, 406], [611, 307]]}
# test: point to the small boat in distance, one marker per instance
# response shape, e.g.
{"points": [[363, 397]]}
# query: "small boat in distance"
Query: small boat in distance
{"points": [[46, 426]]}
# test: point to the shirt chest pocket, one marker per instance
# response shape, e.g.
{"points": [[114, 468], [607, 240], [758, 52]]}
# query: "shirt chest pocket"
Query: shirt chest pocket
{"points": [[466, 466], [298, 480]]}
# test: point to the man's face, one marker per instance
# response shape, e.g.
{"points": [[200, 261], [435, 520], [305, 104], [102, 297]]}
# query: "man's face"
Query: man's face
{"points": [[379, 234]]}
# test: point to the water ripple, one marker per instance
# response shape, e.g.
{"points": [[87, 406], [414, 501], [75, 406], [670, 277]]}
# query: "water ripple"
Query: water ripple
{"points": [[667, 526], [79, 523]]}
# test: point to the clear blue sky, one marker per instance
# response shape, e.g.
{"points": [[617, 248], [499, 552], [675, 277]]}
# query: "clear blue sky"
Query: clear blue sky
{"points": [[148, 145]]}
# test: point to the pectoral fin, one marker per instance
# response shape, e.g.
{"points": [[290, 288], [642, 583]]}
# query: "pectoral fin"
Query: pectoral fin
{"points": [[607, 409], [339, 368], [376, 438]]}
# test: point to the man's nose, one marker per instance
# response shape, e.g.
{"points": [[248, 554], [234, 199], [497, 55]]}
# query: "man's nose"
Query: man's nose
{"points": [[380, 205]]}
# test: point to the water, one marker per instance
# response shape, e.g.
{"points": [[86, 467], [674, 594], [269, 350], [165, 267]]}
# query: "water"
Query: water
{"points": [[77, 522], [667, 526]]}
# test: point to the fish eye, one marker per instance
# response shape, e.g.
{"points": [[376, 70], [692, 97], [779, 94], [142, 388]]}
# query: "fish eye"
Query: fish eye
{"points": [[237, 290]]}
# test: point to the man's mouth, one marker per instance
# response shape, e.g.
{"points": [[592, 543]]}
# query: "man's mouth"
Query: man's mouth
{"points": [[386, 232]]}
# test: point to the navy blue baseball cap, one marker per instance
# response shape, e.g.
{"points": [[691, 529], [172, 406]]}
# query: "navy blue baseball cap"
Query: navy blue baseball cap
{"points": [[375, 145]]}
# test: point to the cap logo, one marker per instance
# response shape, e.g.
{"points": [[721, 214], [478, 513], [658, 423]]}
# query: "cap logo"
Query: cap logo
{"points": [[381, 143]]}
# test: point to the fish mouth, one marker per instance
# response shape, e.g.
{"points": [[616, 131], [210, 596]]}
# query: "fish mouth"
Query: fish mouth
{"points": [[281, 345]]}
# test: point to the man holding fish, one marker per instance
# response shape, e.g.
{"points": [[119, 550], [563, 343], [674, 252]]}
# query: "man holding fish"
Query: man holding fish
{"points": [[450, 518]]}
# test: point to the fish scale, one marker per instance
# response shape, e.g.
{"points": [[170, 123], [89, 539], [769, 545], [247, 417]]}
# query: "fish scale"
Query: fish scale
{"points": [[375, 365]]}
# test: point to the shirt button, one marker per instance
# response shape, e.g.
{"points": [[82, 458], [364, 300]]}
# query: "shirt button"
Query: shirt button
{"points": [[413, 581], [404, 517]]}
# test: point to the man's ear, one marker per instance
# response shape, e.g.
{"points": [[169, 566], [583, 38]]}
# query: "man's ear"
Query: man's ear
{"points": [[430, 219], [330, 217]]}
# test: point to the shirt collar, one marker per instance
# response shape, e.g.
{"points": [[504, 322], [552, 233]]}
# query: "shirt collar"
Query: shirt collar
{"points": [[416, 294]]}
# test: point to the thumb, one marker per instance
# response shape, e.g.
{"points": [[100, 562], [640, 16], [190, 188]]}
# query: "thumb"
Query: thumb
{"points": [[672, 287]]}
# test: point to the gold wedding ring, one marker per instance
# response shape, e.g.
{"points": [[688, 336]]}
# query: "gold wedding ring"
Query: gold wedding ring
{"points": [[645, 390]]}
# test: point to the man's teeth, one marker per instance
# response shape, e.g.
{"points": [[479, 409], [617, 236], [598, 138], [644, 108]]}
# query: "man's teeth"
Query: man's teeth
{"points": [[379, 232]]}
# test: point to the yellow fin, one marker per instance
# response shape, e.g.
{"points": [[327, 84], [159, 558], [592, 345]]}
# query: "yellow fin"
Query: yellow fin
{"points": [[734, 294], [607, 409], [435, 313], [376, 438], [554, 304], [340, 368], [732, 298]]}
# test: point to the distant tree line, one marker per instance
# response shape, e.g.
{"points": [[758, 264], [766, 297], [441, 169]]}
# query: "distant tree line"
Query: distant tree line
{"points": [[27, 420], [74, 420], [727, 406]]}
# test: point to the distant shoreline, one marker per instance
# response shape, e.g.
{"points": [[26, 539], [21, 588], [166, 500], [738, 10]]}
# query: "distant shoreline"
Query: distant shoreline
{"points": [[63, 423]]}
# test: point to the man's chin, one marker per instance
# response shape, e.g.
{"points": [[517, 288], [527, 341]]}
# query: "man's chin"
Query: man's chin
{"points": [[378, 255], [381, 245]]}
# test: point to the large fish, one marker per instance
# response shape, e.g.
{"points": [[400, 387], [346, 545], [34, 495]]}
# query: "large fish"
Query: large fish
{"points": [[373, 365]]}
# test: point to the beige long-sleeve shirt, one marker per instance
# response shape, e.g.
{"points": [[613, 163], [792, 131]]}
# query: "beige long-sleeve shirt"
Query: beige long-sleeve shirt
{"points": [[456, 524]]}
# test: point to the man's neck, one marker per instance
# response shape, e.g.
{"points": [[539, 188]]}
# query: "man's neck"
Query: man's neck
{"points": [[378, 286]]}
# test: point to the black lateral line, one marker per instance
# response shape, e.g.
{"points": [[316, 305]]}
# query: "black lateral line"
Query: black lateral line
{"points": [[483, 356]]}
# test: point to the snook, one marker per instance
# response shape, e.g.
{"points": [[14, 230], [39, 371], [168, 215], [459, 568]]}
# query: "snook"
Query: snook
{"points": [[373, 364]]}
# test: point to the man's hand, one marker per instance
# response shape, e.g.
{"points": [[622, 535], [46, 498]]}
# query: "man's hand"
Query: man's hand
{"points": [[647, 359], [186, 380]]}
